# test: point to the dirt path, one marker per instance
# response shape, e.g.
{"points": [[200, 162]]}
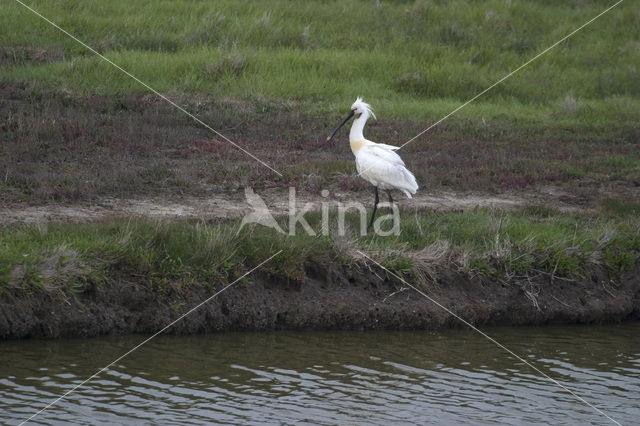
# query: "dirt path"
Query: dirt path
{"points": [[221, 206]]}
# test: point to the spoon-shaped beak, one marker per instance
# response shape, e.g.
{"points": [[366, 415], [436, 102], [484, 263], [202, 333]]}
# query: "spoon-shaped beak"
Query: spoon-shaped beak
{"points": [[341, 124]]}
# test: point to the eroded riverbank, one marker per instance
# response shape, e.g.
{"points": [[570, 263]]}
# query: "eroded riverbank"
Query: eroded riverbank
{"points": [[329, 297]]}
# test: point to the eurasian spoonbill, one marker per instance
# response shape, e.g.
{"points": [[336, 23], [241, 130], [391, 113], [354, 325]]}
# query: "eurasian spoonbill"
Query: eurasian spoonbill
{"points": [[377, 163]]}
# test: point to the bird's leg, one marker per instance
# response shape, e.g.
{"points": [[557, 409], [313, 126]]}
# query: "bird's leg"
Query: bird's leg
{"points": [[375, 206], [391, 205]]}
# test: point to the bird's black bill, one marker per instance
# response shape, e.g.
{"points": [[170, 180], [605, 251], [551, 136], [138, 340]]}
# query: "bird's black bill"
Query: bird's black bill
{"points": [[341, 124]]}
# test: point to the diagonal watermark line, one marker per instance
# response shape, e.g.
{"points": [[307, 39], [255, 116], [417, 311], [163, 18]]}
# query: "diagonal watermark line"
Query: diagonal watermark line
{"points": [[149, 338], [512, 73], [503, 78], [104, 58], [449, 311]]}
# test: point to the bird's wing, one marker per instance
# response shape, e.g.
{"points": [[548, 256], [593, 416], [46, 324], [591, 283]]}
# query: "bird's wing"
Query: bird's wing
{"points": [[384, 152], [391, 147], [384, 167], [378, 164]]}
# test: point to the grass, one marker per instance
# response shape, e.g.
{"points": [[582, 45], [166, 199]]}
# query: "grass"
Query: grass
{"points": [[418, 59], [508, 246], [612, 207], [276, 77], [64, 257]]}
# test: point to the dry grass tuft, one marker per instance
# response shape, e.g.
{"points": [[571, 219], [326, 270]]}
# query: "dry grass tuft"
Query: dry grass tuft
{"points": [[55, 270], [232, 64], [570, 105], [432, 259]]}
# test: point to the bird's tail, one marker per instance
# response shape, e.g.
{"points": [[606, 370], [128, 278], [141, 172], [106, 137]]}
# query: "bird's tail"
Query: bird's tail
{"points": [[410, 185]]}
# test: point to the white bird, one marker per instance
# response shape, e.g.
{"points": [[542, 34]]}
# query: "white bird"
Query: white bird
{"points": [[377, 163]]}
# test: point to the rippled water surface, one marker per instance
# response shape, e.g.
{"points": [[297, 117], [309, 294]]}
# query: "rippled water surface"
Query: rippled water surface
{"points": [[329, 377]]}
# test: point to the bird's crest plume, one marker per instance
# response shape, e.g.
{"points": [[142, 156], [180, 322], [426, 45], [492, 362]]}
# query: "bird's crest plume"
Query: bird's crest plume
{"points": [[360, 104]]}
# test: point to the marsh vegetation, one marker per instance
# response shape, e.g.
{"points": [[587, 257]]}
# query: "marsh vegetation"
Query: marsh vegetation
{"points": [[275, 79]]}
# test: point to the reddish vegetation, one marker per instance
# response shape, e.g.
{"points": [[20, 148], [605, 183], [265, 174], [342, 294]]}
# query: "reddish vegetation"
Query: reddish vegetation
{"points": [[62, 147]]}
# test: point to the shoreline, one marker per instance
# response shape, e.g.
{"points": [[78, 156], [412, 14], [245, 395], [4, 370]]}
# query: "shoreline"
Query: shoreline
{"points": [[331, 296]]}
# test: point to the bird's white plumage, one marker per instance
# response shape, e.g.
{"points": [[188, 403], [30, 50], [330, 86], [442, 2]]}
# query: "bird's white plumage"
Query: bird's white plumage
{"points": [[378, 163], [383, 168]]}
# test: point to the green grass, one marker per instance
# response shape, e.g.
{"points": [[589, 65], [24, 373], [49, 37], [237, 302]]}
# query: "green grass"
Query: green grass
{"points": [[570, 115], [277, 76], [613, 207], [409, 59], [59, 257], [67, 258]]}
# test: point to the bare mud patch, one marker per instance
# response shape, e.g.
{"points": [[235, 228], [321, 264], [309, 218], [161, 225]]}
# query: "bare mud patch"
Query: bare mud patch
{"points": [[224, 207]]}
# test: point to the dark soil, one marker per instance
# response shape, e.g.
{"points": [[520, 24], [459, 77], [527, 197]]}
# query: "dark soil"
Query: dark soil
{"points": [[330, 298]]}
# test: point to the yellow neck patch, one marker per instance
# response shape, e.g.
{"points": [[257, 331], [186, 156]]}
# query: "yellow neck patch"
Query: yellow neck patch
{"points": [[356, 145]]}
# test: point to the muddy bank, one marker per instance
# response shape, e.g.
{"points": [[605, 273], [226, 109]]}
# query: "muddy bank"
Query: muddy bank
{"points": [[331, 297]]}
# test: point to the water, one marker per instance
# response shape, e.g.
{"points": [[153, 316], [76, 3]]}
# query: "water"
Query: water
{"points": [[454, 376]]}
